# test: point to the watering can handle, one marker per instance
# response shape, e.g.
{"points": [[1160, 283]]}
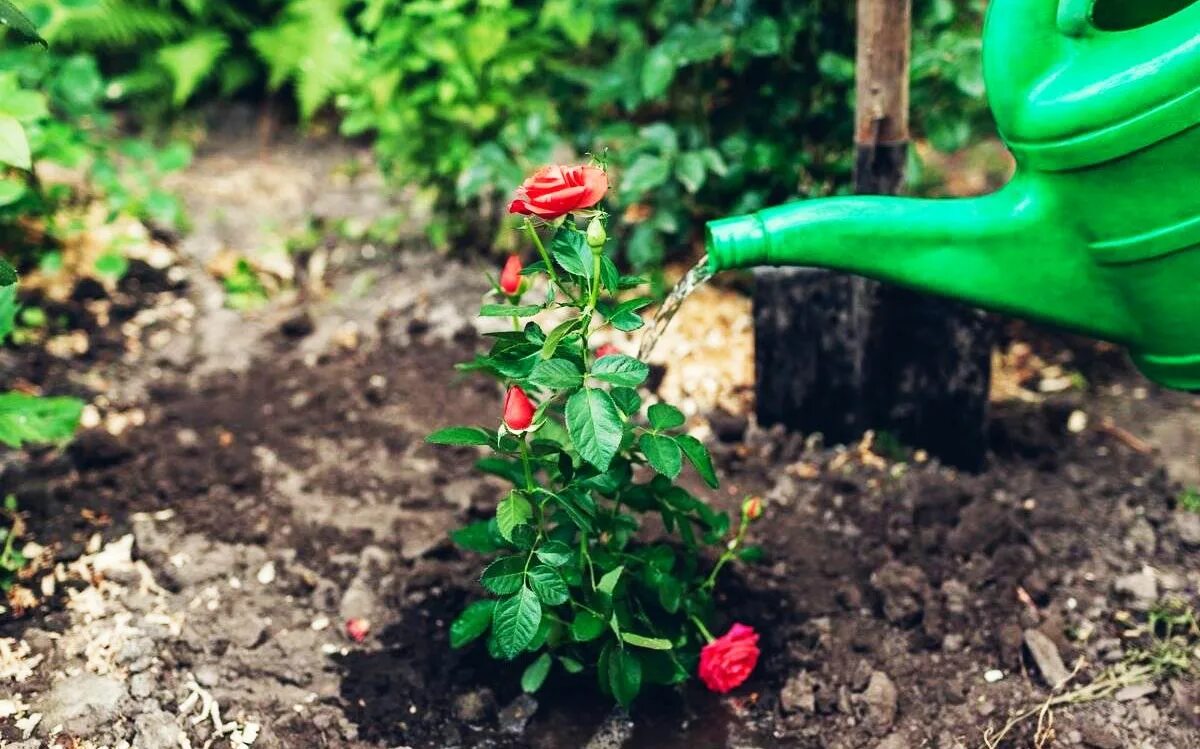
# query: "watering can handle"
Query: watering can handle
{"points": [[1075, 17]]}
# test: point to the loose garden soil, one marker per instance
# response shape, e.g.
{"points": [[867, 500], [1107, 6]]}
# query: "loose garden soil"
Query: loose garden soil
{"points": [[204, 541]]}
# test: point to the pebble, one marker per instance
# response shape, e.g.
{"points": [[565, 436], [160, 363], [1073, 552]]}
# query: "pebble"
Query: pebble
{"points": [[798, 694], [881, 699], [1135, 692], [516, 715], [1187, 525], [141, 685], [157, 730], [613, 733], [266, 574], [1140, 586], [81, 704], [207, 675], [1046, 656], [474, 706], [993, 675]]}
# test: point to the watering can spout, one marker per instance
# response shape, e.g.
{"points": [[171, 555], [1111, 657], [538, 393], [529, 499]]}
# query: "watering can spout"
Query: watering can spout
{"points": [[1003, 252]]}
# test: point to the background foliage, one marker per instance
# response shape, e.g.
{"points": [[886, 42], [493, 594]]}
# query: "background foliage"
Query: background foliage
{"points": [[703, 107]]}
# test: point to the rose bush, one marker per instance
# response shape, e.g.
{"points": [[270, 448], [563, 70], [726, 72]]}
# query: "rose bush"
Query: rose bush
{"points": [[576, 587]]}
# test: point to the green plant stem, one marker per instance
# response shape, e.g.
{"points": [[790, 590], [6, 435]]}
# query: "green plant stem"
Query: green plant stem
{"points": [[530, 488], [703, 629], [541, 248], [728, 554]]}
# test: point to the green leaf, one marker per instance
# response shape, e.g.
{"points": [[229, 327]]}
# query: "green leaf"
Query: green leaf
{"points": [[586, 627], [515, 621], [662, 453], [570, 665], [556, 336], [624, 675], [649, 643], [657, 72], [14, 146], [619, 369], [548, 585], [471, 623], [594, 425], [570, 250], [11, 190], [504, 576], [665, 416], [191, 61], [610, 277], [8, 274], [626, 321], [697, 455], [536, 673], [554, 553], [509, 310], [557, 374], [30, 419], [476, 537], [690, 171], [627, 399], [112, 265], [753, 554], [460, 436], [512, 511], [608, 583], [8, 310], [12, 17], [644, 174]]}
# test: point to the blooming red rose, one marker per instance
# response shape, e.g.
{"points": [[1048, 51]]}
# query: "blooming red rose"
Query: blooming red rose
{"points": [[510, 277], [555, 191], [606, 350], [518, 409], [727, 661]]}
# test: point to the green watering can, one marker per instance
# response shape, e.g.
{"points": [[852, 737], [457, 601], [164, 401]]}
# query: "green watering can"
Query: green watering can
{"points": [[1099, 230]]}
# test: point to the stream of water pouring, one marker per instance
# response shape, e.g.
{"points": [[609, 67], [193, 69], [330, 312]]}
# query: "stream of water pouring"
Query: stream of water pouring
{"points": [[670, 306]]}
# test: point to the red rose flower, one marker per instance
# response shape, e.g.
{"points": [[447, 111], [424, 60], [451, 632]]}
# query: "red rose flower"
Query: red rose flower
{"points": [[518, 409], [555, 191], [606, 350], [752, 508], [357, 629], [510, 277], [727, 661]]}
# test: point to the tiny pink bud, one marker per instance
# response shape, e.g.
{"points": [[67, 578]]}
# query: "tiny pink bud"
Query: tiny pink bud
{"points": [[606, 350], [518, 409], [510, 277], [752, 508], [357, 629]]}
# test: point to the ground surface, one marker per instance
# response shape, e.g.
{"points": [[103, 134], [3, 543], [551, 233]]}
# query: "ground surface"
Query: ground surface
{"points": [[252, 480]]}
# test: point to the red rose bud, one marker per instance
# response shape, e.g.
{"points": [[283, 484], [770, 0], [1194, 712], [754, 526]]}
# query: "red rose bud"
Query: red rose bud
{"points": [[518, 409], [727, 661], [510, 277], [606, 350], [357, 629], [555, 191], [752, 508]]}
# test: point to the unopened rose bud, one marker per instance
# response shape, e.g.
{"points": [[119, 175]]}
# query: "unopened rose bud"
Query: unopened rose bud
{"points": [[596, 236], [606, 350], [518, 409], [752, 508], [357, 629], [510, 277]]}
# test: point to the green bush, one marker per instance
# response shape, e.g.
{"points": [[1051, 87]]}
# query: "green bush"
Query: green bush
{"points": [[713, 107]]}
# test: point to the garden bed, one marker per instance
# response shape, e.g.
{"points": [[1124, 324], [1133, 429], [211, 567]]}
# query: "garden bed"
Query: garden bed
{"points": [[268, 480]]}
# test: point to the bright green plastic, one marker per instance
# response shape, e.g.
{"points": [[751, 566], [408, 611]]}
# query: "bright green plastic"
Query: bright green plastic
{"points": [[1099, 230]]}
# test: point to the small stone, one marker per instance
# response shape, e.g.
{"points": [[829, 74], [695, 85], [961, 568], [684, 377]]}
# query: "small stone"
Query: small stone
{"points": [[881, 699], [81, 704], [1099, 737], [516, 715], [894, 741], [266, 574], [141, 685], [207, 675], [474, 707], [1187, 525], [798, 694], [1148, 716], [614, 733], [1046, 656], [1077, 422], [952, 643], [904, 590], [993, 675], [1141, 538], [157, 730], [1135, 692], [1140, 586]]}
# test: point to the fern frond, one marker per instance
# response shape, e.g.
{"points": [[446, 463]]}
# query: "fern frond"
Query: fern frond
{"points": [[115, 25]]}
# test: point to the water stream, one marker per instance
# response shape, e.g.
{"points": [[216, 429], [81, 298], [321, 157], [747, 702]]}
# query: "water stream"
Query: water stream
{"points": [[694, 278]]}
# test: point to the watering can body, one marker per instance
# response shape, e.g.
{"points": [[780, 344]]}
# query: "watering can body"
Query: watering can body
{"points": [[1099, 229]]}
